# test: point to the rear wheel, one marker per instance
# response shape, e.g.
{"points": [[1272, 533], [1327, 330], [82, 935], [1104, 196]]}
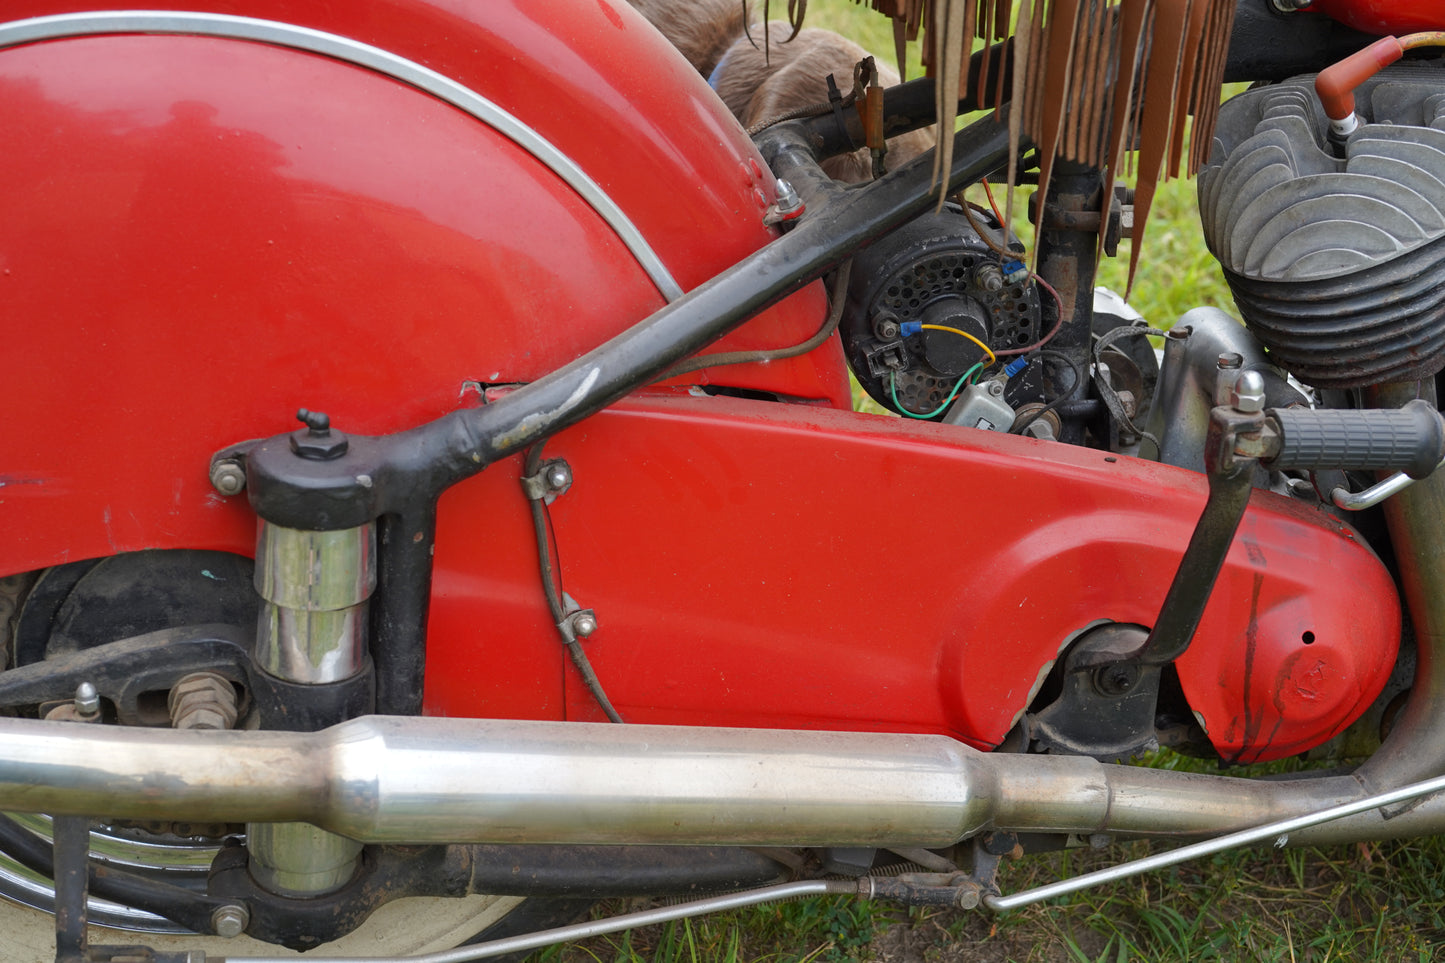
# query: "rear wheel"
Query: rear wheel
{"points": [[402, 927], [73, 607]]}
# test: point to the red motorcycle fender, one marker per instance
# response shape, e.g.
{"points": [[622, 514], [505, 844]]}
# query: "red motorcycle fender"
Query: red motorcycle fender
{"points": [[203, 235], [1384, 16], [756, 564]]}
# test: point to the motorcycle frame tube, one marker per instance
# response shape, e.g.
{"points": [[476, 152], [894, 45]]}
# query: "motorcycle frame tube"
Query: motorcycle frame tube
{"points": [[1415, 749], [421, 780]]}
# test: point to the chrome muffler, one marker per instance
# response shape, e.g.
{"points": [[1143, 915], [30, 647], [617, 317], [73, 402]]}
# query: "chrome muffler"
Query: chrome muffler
{"points": [[424, 780]]}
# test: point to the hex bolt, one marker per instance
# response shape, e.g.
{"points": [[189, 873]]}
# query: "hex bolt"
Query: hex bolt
{"points": [[559, 476], [584, 624], [885, 326], [1247, 395], [87, 702], [230, 921], [228, 478]]}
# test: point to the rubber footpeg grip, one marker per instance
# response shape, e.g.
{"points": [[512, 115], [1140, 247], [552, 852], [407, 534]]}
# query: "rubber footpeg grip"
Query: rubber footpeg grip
{"points": [[1409, 439]]}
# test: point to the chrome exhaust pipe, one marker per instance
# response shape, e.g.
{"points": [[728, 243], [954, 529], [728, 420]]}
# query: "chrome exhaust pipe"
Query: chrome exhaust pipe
{"points": [[383, 779]]}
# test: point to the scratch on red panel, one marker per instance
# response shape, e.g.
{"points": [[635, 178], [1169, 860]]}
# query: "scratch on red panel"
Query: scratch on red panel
{"points": [[1311, 682], [109, 531]]}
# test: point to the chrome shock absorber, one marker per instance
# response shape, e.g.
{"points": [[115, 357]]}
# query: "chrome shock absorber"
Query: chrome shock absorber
{"points": [[312, 630]]}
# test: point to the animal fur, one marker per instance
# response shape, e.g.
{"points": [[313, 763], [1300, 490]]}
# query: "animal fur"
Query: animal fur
{"points": [[760, 80]]}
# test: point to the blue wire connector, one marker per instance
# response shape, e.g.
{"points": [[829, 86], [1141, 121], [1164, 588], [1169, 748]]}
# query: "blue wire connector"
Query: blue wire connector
{"points": [[1012, 269], [908, 328], [1015, 366]]}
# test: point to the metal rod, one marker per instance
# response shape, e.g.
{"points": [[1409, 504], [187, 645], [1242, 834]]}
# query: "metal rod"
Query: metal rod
{"points": [[1279, 831], [1415, 748], [1199, 568], [582, 931], [1372, 496]]}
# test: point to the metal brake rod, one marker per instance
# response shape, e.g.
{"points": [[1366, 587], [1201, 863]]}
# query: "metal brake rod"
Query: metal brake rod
{"points": [[1278, 831], [581, 931]]}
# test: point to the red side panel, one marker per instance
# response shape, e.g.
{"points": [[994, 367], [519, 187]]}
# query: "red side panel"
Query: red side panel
{"points": [[757, 564], [1384, 16]]}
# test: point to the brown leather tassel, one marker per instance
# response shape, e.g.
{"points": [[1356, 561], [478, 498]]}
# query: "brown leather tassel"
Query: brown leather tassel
{"points": [[1165, 56]]}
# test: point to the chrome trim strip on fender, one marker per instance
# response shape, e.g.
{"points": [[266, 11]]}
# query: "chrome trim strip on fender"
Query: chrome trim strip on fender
{"points": [[354, 52]]}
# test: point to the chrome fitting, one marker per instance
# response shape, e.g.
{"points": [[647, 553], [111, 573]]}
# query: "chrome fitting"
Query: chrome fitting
{"points": [[312, 627], [1247, 394], [297, 859]]}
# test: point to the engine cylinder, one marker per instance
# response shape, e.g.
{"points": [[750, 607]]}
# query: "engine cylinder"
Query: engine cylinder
{"points": [[1334, 261]]}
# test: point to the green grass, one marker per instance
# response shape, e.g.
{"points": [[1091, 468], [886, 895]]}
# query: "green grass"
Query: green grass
{"points": [[1372, 902]]}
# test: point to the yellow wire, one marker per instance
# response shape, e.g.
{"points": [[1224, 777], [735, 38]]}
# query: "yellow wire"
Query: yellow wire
{"points": [[1428, 38], [944, 327]]}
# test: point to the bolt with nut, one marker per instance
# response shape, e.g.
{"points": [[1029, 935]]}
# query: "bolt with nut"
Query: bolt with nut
{"points": [[203, 700], [228, 477], [230, 921]]}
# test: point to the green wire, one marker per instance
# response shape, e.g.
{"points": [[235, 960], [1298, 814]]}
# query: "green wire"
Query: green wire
{"points": [[898, 405]]}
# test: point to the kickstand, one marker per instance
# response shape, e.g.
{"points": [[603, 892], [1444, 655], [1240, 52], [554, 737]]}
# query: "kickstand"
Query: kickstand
{"points": [[72, 891], [72, 887]]}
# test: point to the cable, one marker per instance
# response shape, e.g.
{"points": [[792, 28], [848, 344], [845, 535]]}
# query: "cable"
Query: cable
{"points": [[552, 584], [898, 405], [983, 235], [988, 192], [1008, 255], [1107, 394], [943, 327], [1058, 322], [835, 314], [1426, 38], [1063, 396]]}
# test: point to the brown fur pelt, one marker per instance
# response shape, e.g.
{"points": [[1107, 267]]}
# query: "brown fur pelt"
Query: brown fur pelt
{"points": [[701, 30], [764, 78]]}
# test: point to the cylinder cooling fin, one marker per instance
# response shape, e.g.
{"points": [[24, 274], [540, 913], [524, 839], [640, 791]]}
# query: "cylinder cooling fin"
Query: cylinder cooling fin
{"points": [[1335, 261], [935, 272]]}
